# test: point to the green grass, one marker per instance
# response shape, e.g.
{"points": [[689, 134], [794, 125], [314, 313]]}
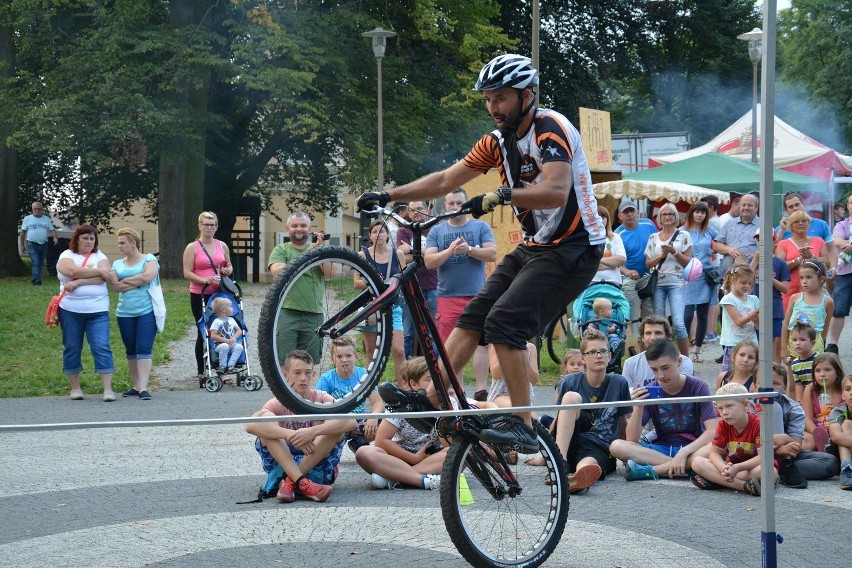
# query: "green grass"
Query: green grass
{"points": [[31, 353]]}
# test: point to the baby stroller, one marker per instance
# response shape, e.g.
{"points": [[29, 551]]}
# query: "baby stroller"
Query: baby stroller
{"points": [[584, 315], [213, 378]]}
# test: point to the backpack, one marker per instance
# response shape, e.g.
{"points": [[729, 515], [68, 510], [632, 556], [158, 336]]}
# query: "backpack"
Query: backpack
{"points": [[269, 487]]}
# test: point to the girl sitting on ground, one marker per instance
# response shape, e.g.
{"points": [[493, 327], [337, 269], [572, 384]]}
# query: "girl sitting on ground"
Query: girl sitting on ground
{"points": [[743, 369], [823, 394], [402, 454]]}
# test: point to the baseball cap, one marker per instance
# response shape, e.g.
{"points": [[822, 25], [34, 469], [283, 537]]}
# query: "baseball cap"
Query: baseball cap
{"points": [[627, 204]]}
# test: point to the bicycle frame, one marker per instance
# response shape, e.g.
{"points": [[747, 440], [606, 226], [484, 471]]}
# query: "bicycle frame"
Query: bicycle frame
{"points": [[405, 283]]}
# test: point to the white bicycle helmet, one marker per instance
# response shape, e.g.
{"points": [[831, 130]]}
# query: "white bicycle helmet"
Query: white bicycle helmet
{"points": [[509, 70]]}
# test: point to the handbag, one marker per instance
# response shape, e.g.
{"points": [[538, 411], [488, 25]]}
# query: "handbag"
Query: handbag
{"points": [[159, 303], [647, 285], [712, 276], [51, 318]]}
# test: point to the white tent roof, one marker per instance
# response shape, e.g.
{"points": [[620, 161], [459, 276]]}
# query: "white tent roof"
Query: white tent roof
{"points": [[792, 148], [655, 190]]}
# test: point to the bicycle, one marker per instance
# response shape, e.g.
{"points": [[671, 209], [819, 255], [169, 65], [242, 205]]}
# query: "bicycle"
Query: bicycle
{"points": [[496, 513]]}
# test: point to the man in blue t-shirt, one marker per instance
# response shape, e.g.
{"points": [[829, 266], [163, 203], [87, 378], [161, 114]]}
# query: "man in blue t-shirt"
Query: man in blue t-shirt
{"points": [[35, 230], [459, 249], [634, 232]]}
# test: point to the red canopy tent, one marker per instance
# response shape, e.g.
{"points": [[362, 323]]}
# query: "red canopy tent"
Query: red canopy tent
{"points": [[794, 151]]}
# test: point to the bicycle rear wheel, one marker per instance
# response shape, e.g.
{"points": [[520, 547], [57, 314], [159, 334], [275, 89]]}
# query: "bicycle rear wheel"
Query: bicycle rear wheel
{"points": [[556, 335], [305, 308], [494, 522]]}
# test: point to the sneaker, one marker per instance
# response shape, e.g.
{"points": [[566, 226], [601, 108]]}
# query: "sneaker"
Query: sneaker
{"points": [[431, 482], [511, 431], [357, 440], [378, 482], [109, 396], [286, 491], [398, 400], [144, 395], [711, 338], [77, 394], [719, 359], [832, 348], [314, 491], [584, 477], [130, 393], [846, 476], [790, 476], [636, 472]]}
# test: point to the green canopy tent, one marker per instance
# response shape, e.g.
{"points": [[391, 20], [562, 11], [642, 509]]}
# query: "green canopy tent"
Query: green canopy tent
{"points": [[724, 173]]}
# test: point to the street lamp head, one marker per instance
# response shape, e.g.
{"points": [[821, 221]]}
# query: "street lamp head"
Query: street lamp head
{"points": [[754, 39], [380, 39]]}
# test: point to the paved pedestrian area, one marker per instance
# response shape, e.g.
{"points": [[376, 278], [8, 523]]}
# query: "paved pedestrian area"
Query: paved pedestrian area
{"points": [[167, 497]]}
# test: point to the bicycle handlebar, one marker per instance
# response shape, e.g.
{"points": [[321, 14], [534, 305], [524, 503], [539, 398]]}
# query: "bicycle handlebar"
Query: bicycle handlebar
{"points": [[415, 226]]}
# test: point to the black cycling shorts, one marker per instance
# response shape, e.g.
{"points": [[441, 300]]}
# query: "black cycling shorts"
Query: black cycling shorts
{"points": [[528, 289]]}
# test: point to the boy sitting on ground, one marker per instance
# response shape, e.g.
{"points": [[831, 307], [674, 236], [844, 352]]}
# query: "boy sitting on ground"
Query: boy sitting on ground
{"points": [[795, 465], [683, 429], [584, 436], [340, 381], [307, 451], [734, 459], [402, 454]]}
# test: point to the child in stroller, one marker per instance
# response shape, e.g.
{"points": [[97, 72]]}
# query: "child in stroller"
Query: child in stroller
{"points": [[605, 324], [603, 306], [225, 334], [223, 325]]}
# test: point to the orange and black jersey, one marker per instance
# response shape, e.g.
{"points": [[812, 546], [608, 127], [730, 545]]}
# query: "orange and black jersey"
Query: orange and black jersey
{"points": [[551, 138]]}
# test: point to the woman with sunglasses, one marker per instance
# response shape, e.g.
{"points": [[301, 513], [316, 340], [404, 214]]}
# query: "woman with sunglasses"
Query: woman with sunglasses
{"points": [[205, 261], [670, 249]]}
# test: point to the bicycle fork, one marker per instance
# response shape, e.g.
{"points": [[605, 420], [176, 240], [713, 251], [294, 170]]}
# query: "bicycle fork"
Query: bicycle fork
{"points": [[488, 465]]}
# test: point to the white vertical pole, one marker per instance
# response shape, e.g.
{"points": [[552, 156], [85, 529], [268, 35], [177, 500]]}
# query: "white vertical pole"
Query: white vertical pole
{"points": [[767, 155]]}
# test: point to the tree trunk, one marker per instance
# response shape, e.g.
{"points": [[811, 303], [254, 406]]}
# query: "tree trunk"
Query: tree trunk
{"points": [[181, 187], [10, 261], [170, 204]]}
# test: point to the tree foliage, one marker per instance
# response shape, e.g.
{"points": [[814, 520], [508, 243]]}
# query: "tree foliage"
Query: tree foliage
{"points": [[112, 100], [814, 52]]}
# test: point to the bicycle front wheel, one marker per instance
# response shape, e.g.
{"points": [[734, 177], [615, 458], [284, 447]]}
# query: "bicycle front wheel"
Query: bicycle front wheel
{"points": [[495, 521], [308, 306]]}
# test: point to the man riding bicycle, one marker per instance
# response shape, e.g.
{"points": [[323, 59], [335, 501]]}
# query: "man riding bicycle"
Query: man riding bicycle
{"points": [[546, 179]]}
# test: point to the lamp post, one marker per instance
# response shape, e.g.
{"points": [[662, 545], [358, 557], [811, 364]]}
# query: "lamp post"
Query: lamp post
{"points": [[380, 40], [754, 39]]}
